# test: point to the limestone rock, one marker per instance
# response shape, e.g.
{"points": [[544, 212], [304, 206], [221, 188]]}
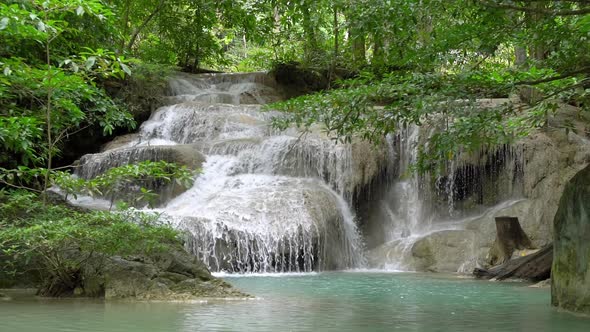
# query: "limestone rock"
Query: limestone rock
{"points": [[92, 165], [443, 251], [571, 266], [542, 284], [170, 276], [119, 142]]}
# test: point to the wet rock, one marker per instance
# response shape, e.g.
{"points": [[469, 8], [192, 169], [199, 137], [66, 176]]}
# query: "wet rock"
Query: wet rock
{"points": [[542, 284], [4, 297], [92, 165], [170, 276], [571, 267], [443, 251], [119, 142]]}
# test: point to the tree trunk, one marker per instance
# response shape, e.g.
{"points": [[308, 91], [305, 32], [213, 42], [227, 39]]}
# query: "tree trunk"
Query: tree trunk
{"points": [[125, 25], [358, 47], [336, 32], [144, 24], [310, 35], [537, 48], [378, 52], [520, 56], [509, 237]]}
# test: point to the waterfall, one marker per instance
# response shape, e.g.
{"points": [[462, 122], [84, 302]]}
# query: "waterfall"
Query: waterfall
{"points": [[414, 207], [263, 201], [268, 201]]}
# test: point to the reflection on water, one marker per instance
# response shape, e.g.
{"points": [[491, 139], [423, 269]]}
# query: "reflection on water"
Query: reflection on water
{"points": [[315, 302]]}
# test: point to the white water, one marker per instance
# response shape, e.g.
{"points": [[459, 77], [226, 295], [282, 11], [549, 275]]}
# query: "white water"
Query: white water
{"points": [[264, 202], [268, 202]]}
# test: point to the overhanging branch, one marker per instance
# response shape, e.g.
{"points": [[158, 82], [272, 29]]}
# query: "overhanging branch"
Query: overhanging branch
{"points": [[555, 78], [570, 12]]}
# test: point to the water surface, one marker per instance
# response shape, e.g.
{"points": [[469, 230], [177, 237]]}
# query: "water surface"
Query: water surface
{"points": [[315, 302]]}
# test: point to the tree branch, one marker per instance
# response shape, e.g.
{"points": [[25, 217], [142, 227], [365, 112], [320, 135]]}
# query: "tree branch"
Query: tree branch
{"points": [[571, 12], [20, 187], [144, 24], [555, 78]]}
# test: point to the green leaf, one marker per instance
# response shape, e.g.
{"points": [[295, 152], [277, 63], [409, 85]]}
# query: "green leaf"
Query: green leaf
{"points": [[41, 26], [126, 69], [80, 11], [4, 23], [90, 62]]}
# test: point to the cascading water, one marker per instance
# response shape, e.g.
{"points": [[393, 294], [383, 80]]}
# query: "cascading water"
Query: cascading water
{"points": [[263, 202], [268, 201], [414, 207]]}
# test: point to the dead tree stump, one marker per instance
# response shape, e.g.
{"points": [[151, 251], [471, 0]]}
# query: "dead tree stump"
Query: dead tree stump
{"points": [[509, 237]]}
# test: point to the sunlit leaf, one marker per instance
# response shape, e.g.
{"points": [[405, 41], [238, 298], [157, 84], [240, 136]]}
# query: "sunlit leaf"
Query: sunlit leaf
{"points": [[4, 23], [90, 62]]}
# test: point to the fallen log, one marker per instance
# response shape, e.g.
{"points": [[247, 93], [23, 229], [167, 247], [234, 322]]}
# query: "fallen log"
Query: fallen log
{"points": [[534, 267]]}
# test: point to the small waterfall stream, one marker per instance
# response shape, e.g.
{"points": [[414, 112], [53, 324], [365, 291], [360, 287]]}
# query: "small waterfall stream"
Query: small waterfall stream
{"points": [[439, 210]]}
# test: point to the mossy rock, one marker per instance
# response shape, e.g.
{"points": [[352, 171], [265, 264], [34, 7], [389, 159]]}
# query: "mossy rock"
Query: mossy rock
{"points": [[570, 287]]}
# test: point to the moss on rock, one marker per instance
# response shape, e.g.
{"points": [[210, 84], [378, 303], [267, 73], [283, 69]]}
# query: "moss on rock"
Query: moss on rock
{"points": [[570, 287]]}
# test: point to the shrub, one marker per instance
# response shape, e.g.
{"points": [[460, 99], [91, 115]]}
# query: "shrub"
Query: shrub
{"points": [[57, 243]]}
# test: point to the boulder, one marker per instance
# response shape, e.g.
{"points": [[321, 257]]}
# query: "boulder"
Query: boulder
{"points": [[170, 276], [570, 287], [542, 284], [92, 165], [442, 251]]}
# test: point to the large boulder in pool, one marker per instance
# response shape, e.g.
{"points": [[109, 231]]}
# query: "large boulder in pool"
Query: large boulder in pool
{"points": [[443, 251], [170, 276], [570, 276]]}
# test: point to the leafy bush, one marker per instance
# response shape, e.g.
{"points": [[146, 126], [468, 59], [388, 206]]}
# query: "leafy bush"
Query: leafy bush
{"points": [[57, 243], [131, 183]]}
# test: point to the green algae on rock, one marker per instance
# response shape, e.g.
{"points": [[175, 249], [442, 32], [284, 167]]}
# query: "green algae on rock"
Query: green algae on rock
{"points": [[570, 287]]}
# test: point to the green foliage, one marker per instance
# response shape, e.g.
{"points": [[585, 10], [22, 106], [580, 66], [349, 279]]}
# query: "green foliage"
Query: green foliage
{"points": [[418, 59], [132, 184], [48, 81], [447, 103], [58, 243], [142, 92], [121, 180]]}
